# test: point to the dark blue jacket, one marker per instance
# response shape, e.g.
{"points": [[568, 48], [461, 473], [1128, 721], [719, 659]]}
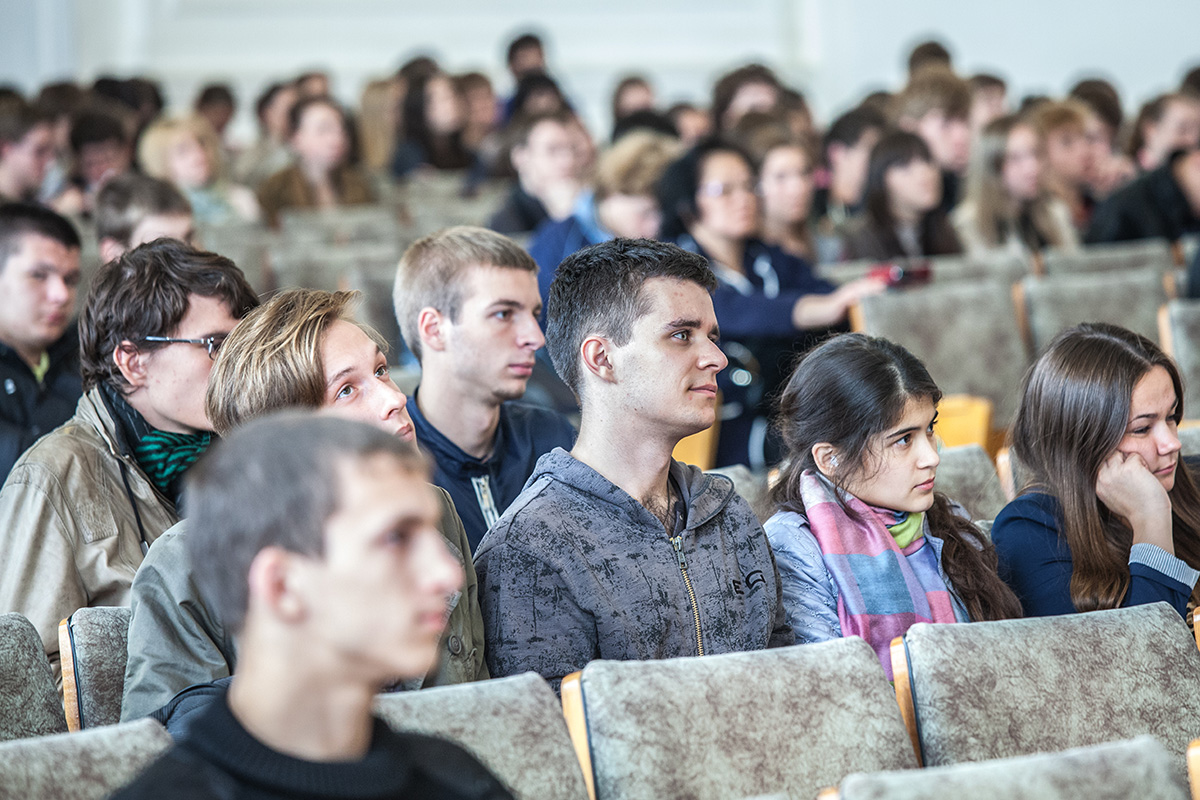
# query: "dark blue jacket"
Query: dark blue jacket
{"points": [[758, 302], [483, 489], [1036, 562]]}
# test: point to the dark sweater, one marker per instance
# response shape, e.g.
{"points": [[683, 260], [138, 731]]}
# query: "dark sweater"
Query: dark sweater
{"points": [[218, 758], [483, 488], [1036, 562], [1151, 207], [29, 409]]}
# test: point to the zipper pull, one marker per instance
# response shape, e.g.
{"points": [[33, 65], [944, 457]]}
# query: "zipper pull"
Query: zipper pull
{"points": [[677, 543]]}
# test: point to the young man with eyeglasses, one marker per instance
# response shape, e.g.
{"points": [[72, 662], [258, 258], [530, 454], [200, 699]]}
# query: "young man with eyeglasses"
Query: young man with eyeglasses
{"points": [[82, 506]]}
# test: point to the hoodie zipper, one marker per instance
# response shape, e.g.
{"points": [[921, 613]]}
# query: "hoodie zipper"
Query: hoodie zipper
{"points": [[677, 543]]}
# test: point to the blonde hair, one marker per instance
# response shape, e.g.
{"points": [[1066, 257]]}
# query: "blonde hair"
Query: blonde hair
{"points": [[431, 272], [272, 359], [155, 145], [1058, 114], [995, 211], [378, 121], [634, 163], [932, 89]]}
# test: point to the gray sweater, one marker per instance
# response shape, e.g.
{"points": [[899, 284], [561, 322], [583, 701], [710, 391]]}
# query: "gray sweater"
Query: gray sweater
{"points": [[576, 570]]}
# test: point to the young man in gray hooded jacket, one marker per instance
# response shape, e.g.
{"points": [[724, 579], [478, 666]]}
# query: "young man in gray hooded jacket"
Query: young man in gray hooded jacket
{"points": [[615, 550]]}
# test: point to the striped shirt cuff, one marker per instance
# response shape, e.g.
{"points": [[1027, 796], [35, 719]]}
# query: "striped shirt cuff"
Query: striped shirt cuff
{"points": [[1159, 560]]}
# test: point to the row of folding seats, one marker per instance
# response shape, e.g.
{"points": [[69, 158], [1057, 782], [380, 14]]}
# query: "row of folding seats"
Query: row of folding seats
{"points": [[782, 723]]}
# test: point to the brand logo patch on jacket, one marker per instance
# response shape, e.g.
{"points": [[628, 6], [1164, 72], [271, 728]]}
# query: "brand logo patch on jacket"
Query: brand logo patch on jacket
{"points": [[753, 580]]}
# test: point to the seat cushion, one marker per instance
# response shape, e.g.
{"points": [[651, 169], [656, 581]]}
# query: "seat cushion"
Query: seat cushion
{"points": [[29, 703]]}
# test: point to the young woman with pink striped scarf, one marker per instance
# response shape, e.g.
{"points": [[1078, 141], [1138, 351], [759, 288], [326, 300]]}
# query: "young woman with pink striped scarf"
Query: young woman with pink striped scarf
{"points": [[865, 546]]}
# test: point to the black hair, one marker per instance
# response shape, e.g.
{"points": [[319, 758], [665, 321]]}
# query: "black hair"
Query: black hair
{"points": [[1101, 97], [215, 94], [678, 186], [646, 119], [524, 41], [443, 151], [895, 149], [598, 290], [296, 113], [18, 220], [849, 128], [532, 84], [95, 127]]}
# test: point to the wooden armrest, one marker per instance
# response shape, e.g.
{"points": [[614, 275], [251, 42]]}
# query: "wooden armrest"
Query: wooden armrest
{"points": [[66, 654], [572, 702], [904, 694], [1193, 768]]}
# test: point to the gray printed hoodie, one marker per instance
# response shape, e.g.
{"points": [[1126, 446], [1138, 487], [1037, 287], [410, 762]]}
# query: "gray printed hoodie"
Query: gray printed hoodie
{"points": [[576, 570]]}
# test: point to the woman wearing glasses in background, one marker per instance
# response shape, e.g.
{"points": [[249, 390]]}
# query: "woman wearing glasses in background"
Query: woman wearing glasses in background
{"points": [[767, 301]]}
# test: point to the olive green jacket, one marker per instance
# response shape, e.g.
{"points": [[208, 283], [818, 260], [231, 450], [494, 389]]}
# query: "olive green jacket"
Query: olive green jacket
{"points": [[75, 515], [177, 641]]}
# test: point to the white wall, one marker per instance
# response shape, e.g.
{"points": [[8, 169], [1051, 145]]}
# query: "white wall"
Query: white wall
{"points": [[835, 49]]}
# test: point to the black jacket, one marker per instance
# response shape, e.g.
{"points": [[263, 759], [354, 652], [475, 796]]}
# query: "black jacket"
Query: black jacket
{"points": [[1150, 207], [218, 759], [29, 409]]}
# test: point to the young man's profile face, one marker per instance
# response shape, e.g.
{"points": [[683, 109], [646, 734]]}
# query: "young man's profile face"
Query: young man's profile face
{"points": [[29, 157], [668, 369], [949, 139], [358, 385], [492, 342], [175, 376], [37, 293], [377, 599]]}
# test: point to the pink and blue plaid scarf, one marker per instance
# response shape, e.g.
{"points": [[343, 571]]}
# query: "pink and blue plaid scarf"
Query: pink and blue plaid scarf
{"points": [[882, 589]]}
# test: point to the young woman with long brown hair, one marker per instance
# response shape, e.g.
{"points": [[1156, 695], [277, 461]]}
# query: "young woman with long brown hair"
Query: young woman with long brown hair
{"points": [[1109, 515], [864, 545]]}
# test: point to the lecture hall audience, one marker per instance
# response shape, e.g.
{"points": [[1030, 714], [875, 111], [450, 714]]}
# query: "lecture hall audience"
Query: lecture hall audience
{"points": [[691, 272]]}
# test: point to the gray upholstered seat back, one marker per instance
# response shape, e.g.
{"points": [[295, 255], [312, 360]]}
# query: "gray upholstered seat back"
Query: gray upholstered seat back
{"points": [[966, 333], [29, 704], [998, 689], [1183, 328], [89, 765], [1140, 768], [513, 725], [788, 721], [100, 644], [1123, 256], [968, 476], [1129, 299]]}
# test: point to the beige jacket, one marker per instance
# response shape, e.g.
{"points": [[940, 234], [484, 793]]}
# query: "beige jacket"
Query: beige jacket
{"points": [[74, 515]]}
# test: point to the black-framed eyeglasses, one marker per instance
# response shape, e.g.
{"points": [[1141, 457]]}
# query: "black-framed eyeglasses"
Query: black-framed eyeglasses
{"points": [[210, 343]]}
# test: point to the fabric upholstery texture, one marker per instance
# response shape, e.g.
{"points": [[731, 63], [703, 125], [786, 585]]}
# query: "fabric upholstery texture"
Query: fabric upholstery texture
{"points": [[100, 638], [1016, 687], [1129, 299], [1183, 321], [1140, 768], [513, 725], [1121, 257], [29, 704], [968, 476], [89, 765], [787, 721], [966, 334]]}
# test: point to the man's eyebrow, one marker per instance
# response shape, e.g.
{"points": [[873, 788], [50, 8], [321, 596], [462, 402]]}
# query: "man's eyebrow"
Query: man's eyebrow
{"points": [[337, 377], [682, 322], [506, 303]]}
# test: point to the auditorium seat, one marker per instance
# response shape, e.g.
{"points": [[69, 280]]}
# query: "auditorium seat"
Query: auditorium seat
{"points": [[514, 726], [1179, 335], [94, 643], [1121, 257], [789, 721], [1004, 267], [1051, 304], [968, 476], [89, 765], [29, 704], [341, 225], [326, 266], [1139, 768], [965, 332], [1017, 687]]}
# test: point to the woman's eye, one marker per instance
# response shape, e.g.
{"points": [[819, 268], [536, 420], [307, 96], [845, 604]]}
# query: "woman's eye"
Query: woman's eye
{"points": [[345, 391], [905, 440], [382, 371]]}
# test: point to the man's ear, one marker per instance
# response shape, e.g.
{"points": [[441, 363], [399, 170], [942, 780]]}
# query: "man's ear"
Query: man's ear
{"points": [[596, 352], [275, 585], [431, 327], [110, 248], [131, 362], [825, 456]]}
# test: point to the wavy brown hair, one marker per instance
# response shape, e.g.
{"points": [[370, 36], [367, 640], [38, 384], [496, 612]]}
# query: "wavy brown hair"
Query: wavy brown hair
{"points": [[1074, 409], [850, 390]]}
